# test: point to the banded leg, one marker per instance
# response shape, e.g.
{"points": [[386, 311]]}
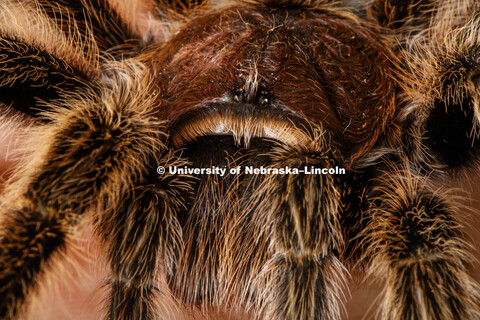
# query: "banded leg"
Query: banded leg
{"points": [[304, 274], [303, 287], [90, 154], [143, 231], [398, 14], [29, 75], [52, 47], [113, 27], [417, 248]]}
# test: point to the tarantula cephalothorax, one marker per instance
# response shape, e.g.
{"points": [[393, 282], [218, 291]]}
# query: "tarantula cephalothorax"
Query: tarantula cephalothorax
{"points": [[387, 90]]}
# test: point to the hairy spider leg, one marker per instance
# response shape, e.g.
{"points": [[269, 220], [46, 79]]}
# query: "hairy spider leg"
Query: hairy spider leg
{"points": [[416, 246]]}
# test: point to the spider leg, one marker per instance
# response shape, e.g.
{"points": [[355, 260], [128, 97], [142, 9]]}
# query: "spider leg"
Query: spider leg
{"points": [[113, 27], [303, 275], [136, 233], [29, 74], [416, 246], [89, 159], [402, 14]]}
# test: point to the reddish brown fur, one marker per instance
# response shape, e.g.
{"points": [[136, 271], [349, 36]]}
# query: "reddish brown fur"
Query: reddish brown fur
{"points": [[273, 84], [316, 52]]}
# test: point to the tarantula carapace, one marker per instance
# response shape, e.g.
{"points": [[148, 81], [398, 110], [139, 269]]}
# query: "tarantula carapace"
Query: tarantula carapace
{"points": [[196, 139]]}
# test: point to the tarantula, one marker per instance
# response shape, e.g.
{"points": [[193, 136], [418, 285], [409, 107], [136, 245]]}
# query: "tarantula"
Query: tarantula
{"points": [[148, 121]]}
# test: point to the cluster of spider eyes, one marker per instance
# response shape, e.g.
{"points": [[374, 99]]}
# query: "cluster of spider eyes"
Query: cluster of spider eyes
{"points": [[262, 96]]}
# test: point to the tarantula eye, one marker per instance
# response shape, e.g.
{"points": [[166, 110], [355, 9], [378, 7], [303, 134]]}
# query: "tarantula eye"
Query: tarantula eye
{"points": [[258, 96]]}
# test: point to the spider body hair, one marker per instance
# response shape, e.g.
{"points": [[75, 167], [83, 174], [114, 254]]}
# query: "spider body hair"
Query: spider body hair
{"points": [[265, 83]]}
